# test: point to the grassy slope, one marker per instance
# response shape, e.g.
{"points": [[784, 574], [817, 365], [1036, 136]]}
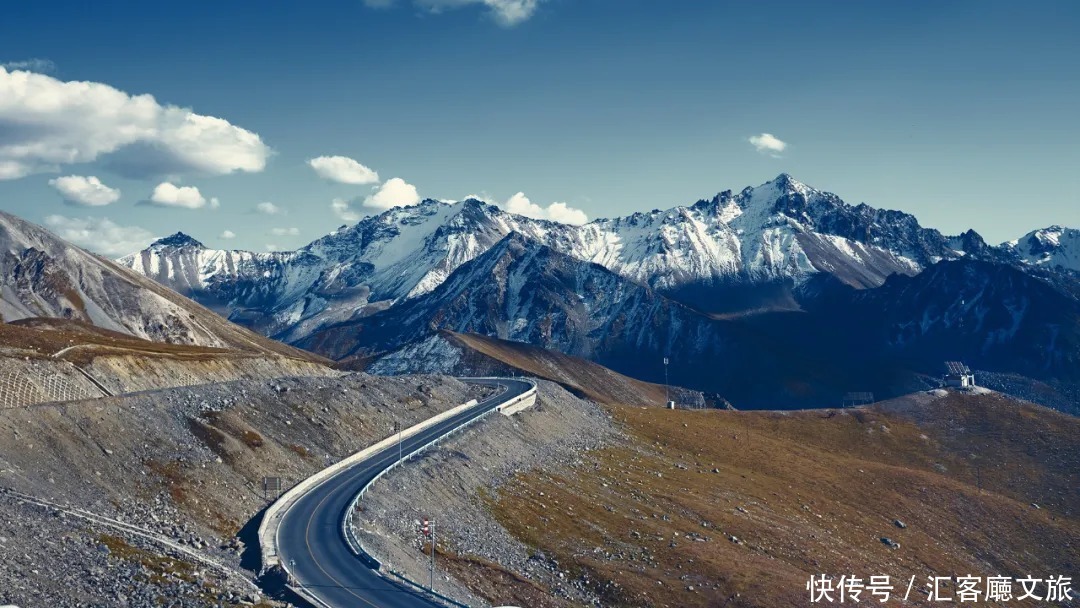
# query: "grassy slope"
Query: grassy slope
{"points": [[586, 378], [809, 492], [42, 337]]}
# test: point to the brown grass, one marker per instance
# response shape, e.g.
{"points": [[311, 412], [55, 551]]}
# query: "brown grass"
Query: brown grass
{"points": [[252, 439], [174, 480], [45, 336], [580, 376], [495, 583], [808, 493]]}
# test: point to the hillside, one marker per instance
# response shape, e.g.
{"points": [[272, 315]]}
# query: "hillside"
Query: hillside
{"points": [[732, 252], [703, 508], [460, 354], [143, 494], [42, 275]]}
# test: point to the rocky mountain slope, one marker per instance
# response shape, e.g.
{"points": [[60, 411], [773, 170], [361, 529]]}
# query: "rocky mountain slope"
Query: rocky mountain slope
{"points": [[1053, 247], [42, 275], [181, 466], [454, 354], [524, 291], [727, 253], [739, 509], [992, 316]]}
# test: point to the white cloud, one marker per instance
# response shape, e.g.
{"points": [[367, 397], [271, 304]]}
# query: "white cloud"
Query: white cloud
{"points": [[166, 194], [35, 64], [505, 12], [48, 123], [394, 193], [86, 191], [268, 208], [272, 247], [483, 198], [100, 234], [557, 212], [285, 231], [343, 169], [767, 143], [344, 211], [228, 234]]}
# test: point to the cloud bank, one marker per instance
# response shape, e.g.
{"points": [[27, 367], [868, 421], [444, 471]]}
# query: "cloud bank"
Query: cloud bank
{"points": [[343, 210], [557, 212], [767, 143], [343, 170], [166, 194], [268, 208], [48, 123], [85, 191], [100, 234], [507, 13], [396, 192], [34, 64]]}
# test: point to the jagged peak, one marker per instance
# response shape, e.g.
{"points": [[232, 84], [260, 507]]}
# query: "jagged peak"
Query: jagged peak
{"points": [[785, 182], [176, 240]]}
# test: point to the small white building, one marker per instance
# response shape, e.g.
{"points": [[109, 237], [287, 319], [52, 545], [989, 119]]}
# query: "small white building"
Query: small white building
{"points": [[958, 375]]}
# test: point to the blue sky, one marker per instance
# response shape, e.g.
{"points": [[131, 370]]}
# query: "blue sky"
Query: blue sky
{"points": [[963, 113]]}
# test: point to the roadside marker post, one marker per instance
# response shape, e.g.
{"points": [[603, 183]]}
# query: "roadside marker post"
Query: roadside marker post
{"points": [[271, 484], [428, 530]]}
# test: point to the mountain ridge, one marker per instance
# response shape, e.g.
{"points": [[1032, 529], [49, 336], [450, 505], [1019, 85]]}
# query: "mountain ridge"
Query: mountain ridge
{"points": [[725, 254]]}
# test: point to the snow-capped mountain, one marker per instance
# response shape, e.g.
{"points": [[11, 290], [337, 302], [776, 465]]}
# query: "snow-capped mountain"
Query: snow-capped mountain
{"points": [[41, 275], [990, 315], [523, 290], [1053, 247], [779, 233]]}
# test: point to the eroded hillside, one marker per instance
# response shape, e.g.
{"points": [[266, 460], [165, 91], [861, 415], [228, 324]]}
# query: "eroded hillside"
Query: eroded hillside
{"points": [[722, 508]]}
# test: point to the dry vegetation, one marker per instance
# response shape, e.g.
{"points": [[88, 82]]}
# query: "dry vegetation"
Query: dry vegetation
{"points": [[583, 377], [47, 337], [720, 508]]}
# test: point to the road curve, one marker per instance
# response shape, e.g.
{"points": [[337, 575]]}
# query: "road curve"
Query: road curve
{"points": [[309, 538]]}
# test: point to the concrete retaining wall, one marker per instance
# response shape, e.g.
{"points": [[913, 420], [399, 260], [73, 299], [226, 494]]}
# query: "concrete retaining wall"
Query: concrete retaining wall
{"points": [[275, 512]]}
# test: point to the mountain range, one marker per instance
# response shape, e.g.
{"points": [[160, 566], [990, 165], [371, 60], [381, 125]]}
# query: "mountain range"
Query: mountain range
{"points": [[42, 275], [726, 254], [780, 280]]}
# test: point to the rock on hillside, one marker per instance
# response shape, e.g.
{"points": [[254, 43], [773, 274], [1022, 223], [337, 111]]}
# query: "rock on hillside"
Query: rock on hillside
{"points": [[42, 275]]}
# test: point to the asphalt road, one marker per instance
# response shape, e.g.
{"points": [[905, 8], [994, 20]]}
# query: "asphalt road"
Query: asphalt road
{"points": [[309, 536]]}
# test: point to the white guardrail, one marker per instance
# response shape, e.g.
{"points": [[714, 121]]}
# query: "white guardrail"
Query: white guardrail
{"points": [[276, 512], [346, 529]]}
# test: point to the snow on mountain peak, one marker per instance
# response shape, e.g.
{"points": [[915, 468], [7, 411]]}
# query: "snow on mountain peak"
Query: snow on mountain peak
{"points": [[782, 230], [1053, 246]]}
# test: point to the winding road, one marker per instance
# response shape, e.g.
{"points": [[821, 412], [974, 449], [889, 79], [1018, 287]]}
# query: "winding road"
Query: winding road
{"points": [[309, 537]]}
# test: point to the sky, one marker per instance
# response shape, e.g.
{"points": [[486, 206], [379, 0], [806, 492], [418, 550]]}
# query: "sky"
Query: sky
{"points": [[265, 129]]}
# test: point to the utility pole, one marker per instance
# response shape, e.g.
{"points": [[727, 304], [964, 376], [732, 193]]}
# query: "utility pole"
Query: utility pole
{"points": [[397, 427], [428, 529], [667, 397]]}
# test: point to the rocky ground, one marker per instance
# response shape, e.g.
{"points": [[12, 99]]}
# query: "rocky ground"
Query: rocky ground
{"points": [[181, 469], [479, 562], [53, 558]]}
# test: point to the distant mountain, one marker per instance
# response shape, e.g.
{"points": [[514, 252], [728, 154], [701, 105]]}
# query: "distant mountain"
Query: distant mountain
{"points": [[1053, 247], [731, 253], [525, 291], [781, 281], [42, 275], [991, 316]]}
